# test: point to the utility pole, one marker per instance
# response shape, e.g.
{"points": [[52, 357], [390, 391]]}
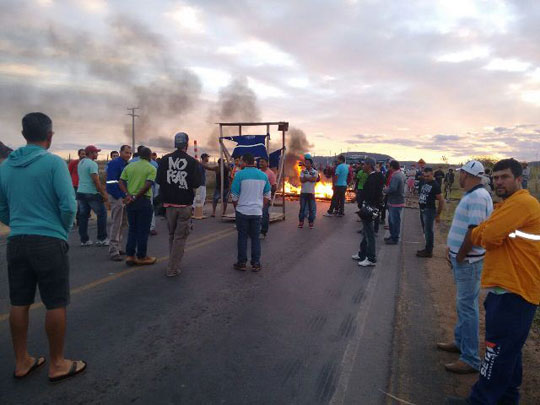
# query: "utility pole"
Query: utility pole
{"points": [[132, 115]]}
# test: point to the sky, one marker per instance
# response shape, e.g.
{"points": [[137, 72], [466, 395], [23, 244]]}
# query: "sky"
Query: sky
{"points": [[412, 79]]}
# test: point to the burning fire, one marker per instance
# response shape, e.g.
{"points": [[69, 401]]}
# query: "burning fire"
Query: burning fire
{"points": [[323, 188]]}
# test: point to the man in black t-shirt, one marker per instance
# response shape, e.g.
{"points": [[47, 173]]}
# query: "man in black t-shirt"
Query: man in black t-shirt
{"points": [[429, 212]]}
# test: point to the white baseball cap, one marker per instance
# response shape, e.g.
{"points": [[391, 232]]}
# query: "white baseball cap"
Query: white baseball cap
{"points": [[473, 167]]}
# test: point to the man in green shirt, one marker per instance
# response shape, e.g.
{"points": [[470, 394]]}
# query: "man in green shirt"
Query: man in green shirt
{"points": [[136, 182]]}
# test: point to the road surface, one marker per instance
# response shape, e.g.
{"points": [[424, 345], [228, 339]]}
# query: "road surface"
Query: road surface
{"points": [[311, 328]]}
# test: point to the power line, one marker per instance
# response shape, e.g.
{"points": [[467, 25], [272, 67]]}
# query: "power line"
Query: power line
{"points": [[132, 115]]}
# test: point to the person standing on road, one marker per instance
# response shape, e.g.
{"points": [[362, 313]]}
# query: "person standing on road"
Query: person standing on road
{"points": [[72, 168], [91, 196], [200, 195], [178, 176], [217, 190], [429, 214], [118, 221], [337, 205], [395, 192], [263, 166], [526, 175], [308, 206], [448, 183], [361, 177], [475, 207], [439, 176], [38, 204], [136, 183], [511, 273], [250, 192], [369, 214]]}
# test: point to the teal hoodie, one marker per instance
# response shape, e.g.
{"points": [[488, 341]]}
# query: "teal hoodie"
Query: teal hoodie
{"points": [[36, 194]]}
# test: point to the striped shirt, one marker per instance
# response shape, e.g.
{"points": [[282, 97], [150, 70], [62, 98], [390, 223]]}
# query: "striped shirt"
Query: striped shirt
{"points": [[250, 186], [475, 207]]}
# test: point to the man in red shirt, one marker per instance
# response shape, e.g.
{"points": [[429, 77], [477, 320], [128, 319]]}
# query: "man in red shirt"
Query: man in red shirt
{"points": [[72, 168], [263, 166]]}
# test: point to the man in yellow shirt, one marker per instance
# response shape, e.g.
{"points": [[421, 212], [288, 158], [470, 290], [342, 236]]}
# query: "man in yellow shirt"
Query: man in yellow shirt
{"points": [[511, 273], [136, 182]]}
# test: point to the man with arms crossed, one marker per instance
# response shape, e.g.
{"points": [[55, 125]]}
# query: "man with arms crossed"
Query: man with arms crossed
{"points": [[511, 273], [116, 197], [91, 196], [430, 191], [38, 204], [475, 207]]}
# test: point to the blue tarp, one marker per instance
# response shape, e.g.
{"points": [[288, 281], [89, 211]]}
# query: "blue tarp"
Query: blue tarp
{"points": [[274, 158], [254, 144]]}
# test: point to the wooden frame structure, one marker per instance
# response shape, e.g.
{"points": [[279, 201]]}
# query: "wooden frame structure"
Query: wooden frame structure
{"points": [[224, 154]]}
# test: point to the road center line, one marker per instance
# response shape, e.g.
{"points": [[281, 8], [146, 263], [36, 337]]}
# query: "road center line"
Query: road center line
{"points": [[197, 243]]}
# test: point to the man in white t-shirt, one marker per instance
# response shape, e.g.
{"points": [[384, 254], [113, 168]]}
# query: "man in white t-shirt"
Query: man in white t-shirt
{"points": [[308, 207]]}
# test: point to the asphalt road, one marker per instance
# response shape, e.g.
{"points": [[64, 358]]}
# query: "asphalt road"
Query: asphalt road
{"points": [[311, 328]]}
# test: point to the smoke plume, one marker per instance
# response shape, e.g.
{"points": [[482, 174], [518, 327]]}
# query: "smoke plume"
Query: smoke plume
{"points": [[297, 145], [236, 102]]}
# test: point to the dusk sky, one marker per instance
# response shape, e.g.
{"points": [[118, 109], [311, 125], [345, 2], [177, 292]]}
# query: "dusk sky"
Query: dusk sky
{"points": [[408, 78]]}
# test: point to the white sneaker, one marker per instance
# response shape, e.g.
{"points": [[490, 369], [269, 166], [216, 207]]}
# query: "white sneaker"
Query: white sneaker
{"points": [[356, 257], [104, 242], [328, 215], [87, 243], [366, 263]]}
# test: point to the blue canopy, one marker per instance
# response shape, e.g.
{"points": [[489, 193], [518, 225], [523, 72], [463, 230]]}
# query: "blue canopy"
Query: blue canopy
{"points": [[275, 158], [254, 144]]}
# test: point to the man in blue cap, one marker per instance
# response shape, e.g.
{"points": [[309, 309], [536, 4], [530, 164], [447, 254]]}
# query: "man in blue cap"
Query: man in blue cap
{"points": [[178, 176]]}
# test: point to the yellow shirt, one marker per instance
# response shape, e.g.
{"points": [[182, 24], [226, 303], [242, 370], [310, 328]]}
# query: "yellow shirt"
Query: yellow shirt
{"points": [[512, 258]]}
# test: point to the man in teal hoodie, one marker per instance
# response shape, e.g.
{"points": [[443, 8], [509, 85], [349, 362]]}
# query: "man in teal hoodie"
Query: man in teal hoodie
{"points": [[38, 204]]}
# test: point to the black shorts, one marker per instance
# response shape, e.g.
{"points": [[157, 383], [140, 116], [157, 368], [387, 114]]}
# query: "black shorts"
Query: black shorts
{"points": [[42, 261]]}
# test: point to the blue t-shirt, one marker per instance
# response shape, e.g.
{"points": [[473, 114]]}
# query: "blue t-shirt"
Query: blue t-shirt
{"points": [[114, 170], [86, 168], [342, 172]]}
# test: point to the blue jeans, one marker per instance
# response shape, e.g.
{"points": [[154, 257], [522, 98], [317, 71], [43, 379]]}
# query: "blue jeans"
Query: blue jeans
{"points": [[248, 226], [394, 222], [467, 278], [367, 246], [427, 217], [265, 222], [508, 322], [92, 202], [308, 207], [139, 214]]}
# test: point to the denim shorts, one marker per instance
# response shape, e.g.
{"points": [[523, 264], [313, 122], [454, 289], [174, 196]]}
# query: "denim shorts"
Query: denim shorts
{"points": [[217, 192], [42, 261]]}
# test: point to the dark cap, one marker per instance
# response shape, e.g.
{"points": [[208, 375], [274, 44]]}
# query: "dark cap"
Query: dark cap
{"points": [[91, 149], [370, 161], [205, 155], [181, 139]]}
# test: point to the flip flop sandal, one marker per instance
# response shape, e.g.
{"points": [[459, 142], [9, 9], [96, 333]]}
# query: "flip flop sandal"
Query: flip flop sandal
{"points": [[71, 373], [34, 367]]}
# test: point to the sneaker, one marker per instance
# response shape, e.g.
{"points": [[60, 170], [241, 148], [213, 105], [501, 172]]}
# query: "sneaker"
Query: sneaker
{"points": [[311, 225], [356, 257], [146, 261], [424, 253], [340, 215], [328, 214], [391, 241], [262, 236], [104, 242], [366, 263], [240, 266], [256, 267], [300, 225], [87, 243], [116, 258]]}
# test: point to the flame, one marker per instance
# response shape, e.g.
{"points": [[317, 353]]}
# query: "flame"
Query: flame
{"points": [[323, 188]]}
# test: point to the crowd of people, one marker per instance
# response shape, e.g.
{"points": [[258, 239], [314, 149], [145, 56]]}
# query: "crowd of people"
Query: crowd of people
{"points": [[495, 248]]}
